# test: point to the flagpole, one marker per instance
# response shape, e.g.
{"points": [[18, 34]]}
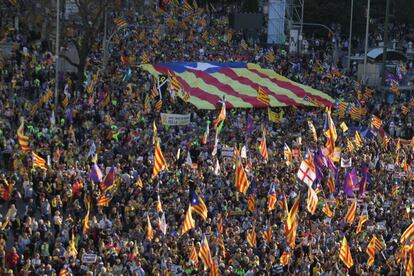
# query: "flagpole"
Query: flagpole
{"points": [[57, 53], [366, 43], [350, 36]]}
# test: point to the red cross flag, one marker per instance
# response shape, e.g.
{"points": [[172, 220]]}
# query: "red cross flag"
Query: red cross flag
{"points": [[306, 173]]}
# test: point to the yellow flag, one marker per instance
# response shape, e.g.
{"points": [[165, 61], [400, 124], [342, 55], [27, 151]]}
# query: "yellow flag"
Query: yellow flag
{"points": [[344, 127]]}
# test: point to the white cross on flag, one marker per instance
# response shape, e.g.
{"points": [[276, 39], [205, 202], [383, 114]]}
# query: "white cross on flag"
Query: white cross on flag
{"points": [[306, 173]]}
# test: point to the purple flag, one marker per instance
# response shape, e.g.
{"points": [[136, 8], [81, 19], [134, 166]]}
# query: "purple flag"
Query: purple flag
{"points": [[364, 179], [249, 124], [96, 174], [351, 179]]}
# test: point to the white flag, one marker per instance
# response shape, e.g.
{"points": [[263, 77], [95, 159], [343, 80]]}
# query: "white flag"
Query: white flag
{"points": [[217, 168], [163, 224], [188, 160], [215, 145]]}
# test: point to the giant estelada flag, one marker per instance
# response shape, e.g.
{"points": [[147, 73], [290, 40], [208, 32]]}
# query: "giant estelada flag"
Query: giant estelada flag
{"points": [[239, 82]]}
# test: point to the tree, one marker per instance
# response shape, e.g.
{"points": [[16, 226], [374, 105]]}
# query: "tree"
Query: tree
{"points": [[82, 31]]}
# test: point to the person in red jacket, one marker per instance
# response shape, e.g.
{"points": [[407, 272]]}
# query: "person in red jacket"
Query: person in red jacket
{"points": [[12, 258]]}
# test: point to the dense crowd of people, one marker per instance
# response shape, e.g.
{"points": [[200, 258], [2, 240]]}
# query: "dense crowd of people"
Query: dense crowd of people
{"points": [[43, 219]]}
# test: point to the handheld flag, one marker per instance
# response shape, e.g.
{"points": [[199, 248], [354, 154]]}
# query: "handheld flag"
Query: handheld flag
{"points": [[205, 253], [345, 254], [159, 163], [272, 198], [240, 179], [263, 146], [198, 205], [251, 238], [312, 203], [150, 233], [350, 215], [222, 115], [22, 139], [38, 161], [188, 221], [361, 221]]}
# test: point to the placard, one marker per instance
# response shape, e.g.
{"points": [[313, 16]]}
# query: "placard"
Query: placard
{"points": [[175, 119], [89, 258], [227, 152]]}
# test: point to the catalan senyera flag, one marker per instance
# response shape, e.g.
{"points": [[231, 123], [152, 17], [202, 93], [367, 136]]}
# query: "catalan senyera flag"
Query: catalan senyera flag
{"points": [[220, 227], [361, 221], [193, 255], [327, 210], [240, 178], [22, 139], [358, 140], [159, 161], [251, 203], [267, 233], [290, 234], [331, 184], [312, 202], [409, 261], [205, 254], [159, 204], [208, 82], [272, 198], [345, 254], [262, 96], [350, 214], [150, 232], [38, 161], [105, 198], [72, 245], [222, 115], [284, 259], [291, 218], [189, 222], [398, 145], [139, 183], [187, 7], [374, 246], [251, 238], [407, 233], [263, 146], [86, 223], [120, 22], [198, 205], [376, 122]]}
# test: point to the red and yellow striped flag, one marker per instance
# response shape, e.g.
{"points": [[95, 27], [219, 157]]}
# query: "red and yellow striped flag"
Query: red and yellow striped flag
{"points": [[262, 96], [86, 224], [251, 238], [263, 146], [350, 215], [139, 183], [240, 179], [158, 106], [159, 161], [407, 233], [291, 234], [361, 221], [38, 161], [221, 116], [22, 139], [376, 122], [312, 202], [205, 254], [293, 212], [327, 210], [331, 184], [159, 205], [374, 246], [267, 233], [150, 232], [358, 140], [284, 259], [214, 269], [345, 254], [251, 203], [189, 222], [193, 255]]}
